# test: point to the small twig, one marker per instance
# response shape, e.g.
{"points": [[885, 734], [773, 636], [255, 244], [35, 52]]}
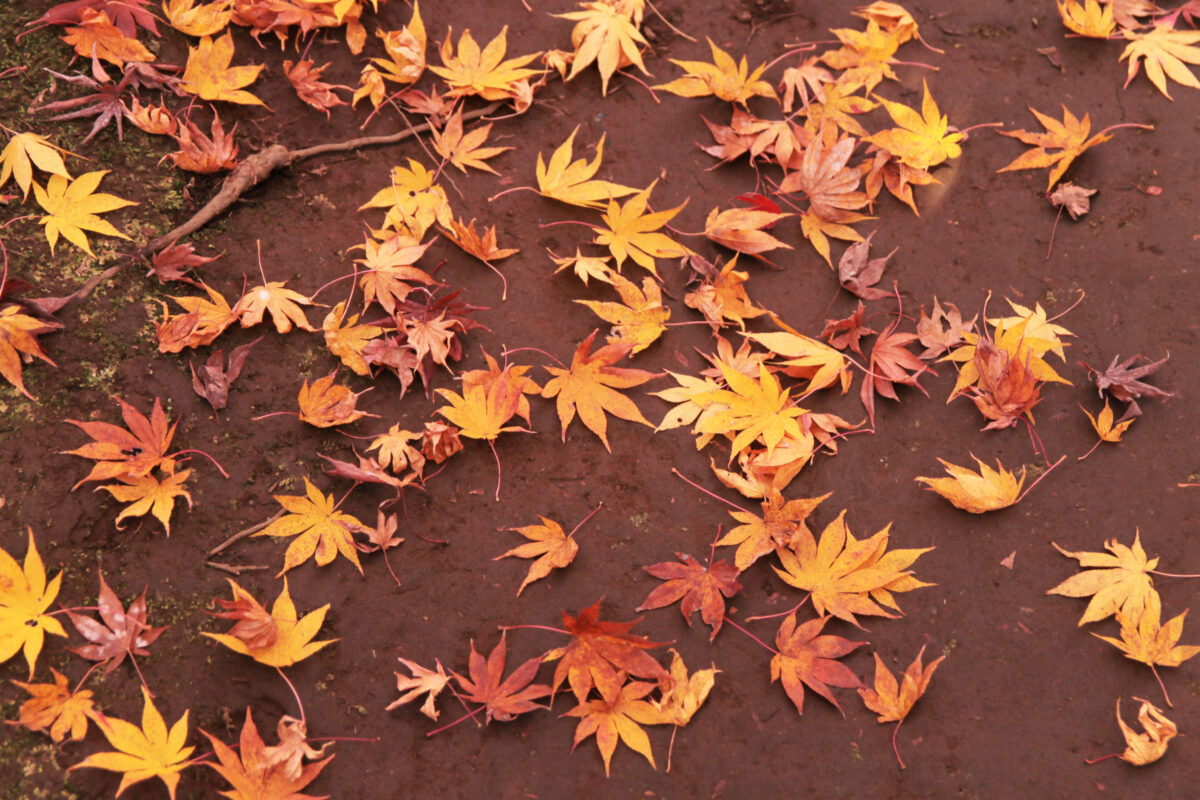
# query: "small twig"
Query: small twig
{"points": [[242, 534], [667, 22], [235, 570]]}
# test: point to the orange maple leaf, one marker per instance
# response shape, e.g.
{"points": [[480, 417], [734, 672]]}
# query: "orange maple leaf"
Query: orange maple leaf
{"points": [[700, 588], [780, 524], [552, 548], [306, 80], [119, 451], [209, 76], [325, 403], [481, 411], [590, 387], [55, 710], [199, 153], [1068, 138], [251, 773], [17, 335], [600, 650], [891, 700], [619, 713], [504, 699], [147, 494], [807, 657], [465, 150], [742, 229], [97, 36], [284, 305]]}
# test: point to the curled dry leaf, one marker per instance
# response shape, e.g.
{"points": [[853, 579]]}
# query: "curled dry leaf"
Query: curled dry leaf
{"points": [[250, 771], [1073, 198], [306, 80], [170, 263], [202, 154], [640, 318], [253, 625], [1157, 732], [942, 331], [977, 492], [858, 274], [428, 682], [213, 379], [1126, 384]]}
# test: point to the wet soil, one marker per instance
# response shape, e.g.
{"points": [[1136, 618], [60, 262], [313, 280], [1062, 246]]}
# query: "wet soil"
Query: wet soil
{"points": [[1024, 696]]}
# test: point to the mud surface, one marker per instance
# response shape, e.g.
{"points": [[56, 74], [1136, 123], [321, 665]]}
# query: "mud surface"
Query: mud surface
{"points": [[1024, 695]]}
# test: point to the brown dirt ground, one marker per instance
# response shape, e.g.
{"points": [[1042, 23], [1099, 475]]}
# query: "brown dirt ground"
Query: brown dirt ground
{"points": [[1024, 694]]}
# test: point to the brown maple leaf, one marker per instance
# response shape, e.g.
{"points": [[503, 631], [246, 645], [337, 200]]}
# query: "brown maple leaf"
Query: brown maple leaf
{"points": [[170, 263], [252, 773], [600, 650], [306, 80], [697, 586], [119, 451], [122, 631], [858, 275], [1007, 389], [504, 699], [823, 176], [846, 332], [1126, 384], [253, 624], [807, 657], [936, 338], [440, 441], [1073, 198], [214, 377]]}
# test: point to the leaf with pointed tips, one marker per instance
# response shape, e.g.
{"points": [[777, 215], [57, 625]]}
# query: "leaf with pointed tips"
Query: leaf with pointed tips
{"points": [[1117, 582], [504, 699], [699, 588], [552, 548], [977, 492], [55, 710], [807, 657], [619, 713], [600, 650], [121, 631], [321, 530], [25, 595], [294, 641]]}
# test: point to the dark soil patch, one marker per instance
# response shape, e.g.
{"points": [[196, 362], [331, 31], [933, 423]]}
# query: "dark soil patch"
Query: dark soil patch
{"points": [[1024, 695]]}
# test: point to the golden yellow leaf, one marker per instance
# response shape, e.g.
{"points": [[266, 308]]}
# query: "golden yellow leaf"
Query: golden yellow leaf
{"points": [[345, 338], [585, 267], [618, 714], [321, 530], [922, 140], [17, 332], [209, 76], [742, 229], [1166, 52], [722, 296], [571, 181], [606, 35], [72, 208], [485, 73], [405, 52], [892, 700], [283, 304], [753, 409], [642, 318], [1090, 19], [634, 233], [481, 411], [206, 19], [325, 404], [150, 751], [294, 641], [725, 79], [147, 494], [24, 597], [683, 694], [1068, 138], [1117, 582], [1150, 745], [977, 492], [25, 151], [465, 150], [548, 544], [1144, 639]]}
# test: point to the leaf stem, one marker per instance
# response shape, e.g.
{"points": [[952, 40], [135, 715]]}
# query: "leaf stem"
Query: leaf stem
{"points": [[506, 353], [1171, 574], [896, 749], [666, 22], [695, 485], [86, 675], [751, 635], [1029, 488], [599, 506], [216, 463], [295, 694], [499, 469], [791, 610], [1162, 686], [534, 628], [470, 715], [1101, 758]]}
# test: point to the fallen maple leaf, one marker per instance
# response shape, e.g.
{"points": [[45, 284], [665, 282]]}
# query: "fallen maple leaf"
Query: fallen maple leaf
{"points": [[251, 772], [481, 411], [619, 713], [253, 625], [465, 150], [1126, 384], [118, 451], [1090, 19], [348, 341], [428, 682], [780, 523], [891, 363], [24, 597], [206, 19], [203, 154], [743, 229], [722, 296], [395, 452], [858, 275], [1165, 52], [209, 76], [73, 207], [214, 377], [1106, 428], [321, 530], [806, 657], [845, 576], [600, 650], [123, 631], [25, 151], [96, 36], [325, 404], [306, 80], [504, 699], [283, 304], [17, 332], [1148, 746], [752, 409], [389, 270], [1073, 198], [590, 387], [483, 73], [725, 79], [1117, 582], [700, 588], [552, 548], [936, 338], [170, 263], [55, 710], [147, 494], [866, 56], [571, 181], [150, 751], [1069, 138], [683, 694], [607, 35], [922, 140], [634, 233], [806, 358], [1144, 639], [405, 48], [977, 492], [294, 640], [848, 331], [642, 318], [891, 700]]}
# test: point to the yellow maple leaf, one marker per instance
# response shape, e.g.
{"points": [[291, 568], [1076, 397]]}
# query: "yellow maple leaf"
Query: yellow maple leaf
{"points": [[405, 52], [548, 544], [1150, 745], [722, 296], [482, 409], [205, 19], [25, 151], [921, 141], [606, 35], [807, 358], [484, 73], [414, 202], [1090, 19], [150, 751], [742, 229], [24, 597], [866, 56], [465, 150], [55, 710], [294, 640], [346, 341], [892, 700], [1068, 139], [321, 532], [585, 267], [618, 714], [1145, 639], [571, 181], [977, 492], [284, 305], [752, 409], [683, 694], [642, 318], [209, 76], [725, 78], [1166, 53], [1104, 427], [634, 233], [72, 207], [146, 494], [1118, 581]]}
